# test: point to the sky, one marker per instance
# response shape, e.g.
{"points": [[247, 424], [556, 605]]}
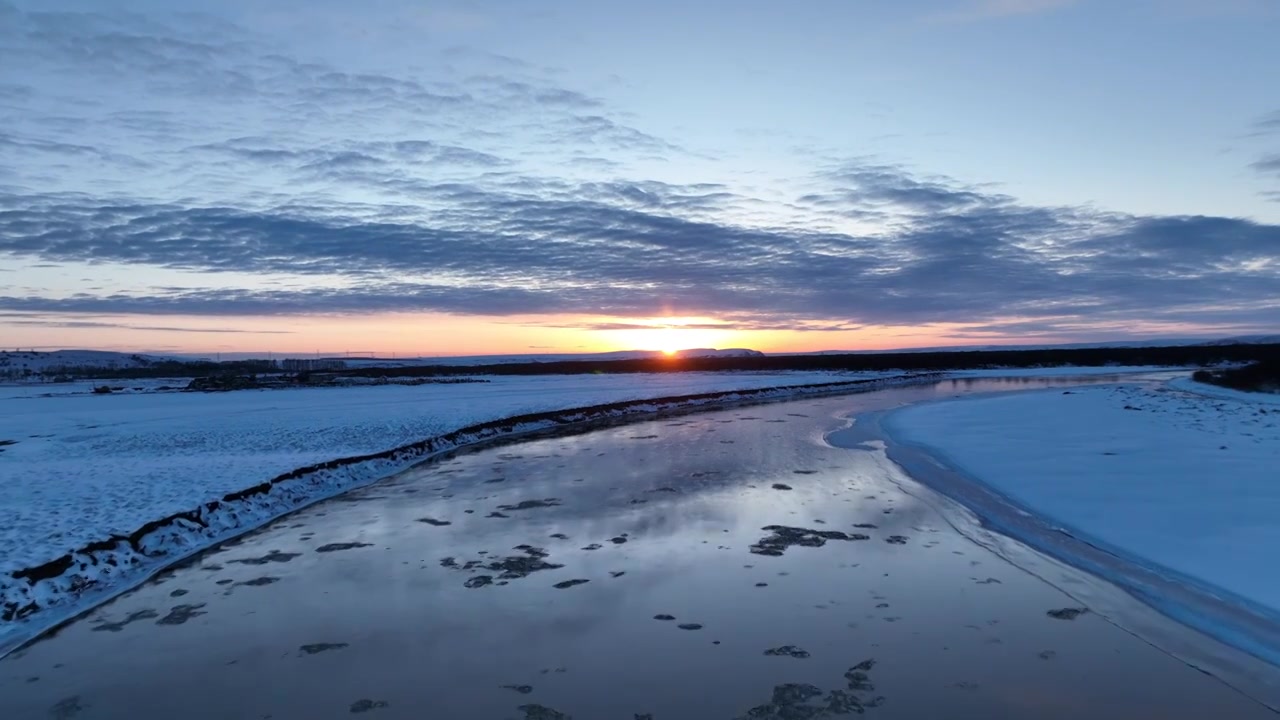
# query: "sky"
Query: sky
{"points": [[508, 176]]}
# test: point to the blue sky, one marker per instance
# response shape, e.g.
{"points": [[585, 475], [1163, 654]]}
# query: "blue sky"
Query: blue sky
{"points": [[487, 176]]}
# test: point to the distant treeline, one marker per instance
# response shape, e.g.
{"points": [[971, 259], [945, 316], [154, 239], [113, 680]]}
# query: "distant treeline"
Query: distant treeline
{"points": [[169, 369], [1183, 356], [1259, 377]]}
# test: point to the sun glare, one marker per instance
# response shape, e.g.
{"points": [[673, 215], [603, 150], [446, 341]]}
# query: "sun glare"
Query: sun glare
{"points": [[670, 339]]}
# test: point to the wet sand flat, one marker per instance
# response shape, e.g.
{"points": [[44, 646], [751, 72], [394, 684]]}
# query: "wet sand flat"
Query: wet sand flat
{"points": [[719, 565]]}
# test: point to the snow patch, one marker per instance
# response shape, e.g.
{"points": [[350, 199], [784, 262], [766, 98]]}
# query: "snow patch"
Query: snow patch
{"points": [[1179, 484]]}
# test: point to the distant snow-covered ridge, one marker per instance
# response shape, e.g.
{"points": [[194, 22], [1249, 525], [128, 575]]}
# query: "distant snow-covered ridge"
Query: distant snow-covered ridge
{"points": [[35, 598], [15, 362]]}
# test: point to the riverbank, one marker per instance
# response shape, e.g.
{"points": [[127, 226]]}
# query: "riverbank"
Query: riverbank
{"points": [[1170, 494]]}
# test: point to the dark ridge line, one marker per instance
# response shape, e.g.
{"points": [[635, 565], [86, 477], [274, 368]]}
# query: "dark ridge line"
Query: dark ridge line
{"points": [[900, 361], [897, 360], [57, 567]]}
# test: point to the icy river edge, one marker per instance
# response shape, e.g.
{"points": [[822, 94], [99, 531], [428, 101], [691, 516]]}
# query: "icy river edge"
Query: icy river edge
{"points": [[987, 499]]}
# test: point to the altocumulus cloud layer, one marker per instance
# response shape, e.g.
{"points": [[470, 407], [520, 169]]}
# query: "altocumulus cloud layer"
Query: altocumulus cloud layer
{"points": [[480, 186]]}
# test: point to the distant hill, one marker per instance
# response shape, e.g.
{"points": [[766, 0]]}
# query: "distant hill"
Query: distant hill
{"points": [[469, 360], [710, 352], [18, 363], [1246, 340]]}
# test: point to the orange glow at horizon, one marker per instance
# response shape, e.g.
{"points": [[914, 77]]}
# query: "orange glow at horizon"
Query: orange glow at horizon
{"points": [[428, 335]]}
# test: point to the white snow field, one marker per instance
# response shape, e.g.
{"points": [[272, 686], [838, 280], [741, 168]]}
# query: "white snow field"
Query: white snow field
{"points": [[1170, 479], [78, 469]]}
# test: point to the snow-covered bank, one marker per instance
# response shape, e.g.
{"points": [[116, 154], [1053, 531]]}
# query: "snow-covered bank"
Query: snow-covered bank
{"points": [[97, 490], [1181, 484]]}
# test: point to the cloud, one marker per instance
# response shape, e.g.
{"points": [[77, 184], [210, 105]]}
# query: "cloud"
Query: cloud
{"points": [[139, 91], [863, 186], [469, 53], [338, 158], [509, 89], [653, 194], [645, 326], [9, 91], [597, 130], [1269, 164], [15, 143], [948, 252], [734, 324], [23, 319], [1267, 124]]}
